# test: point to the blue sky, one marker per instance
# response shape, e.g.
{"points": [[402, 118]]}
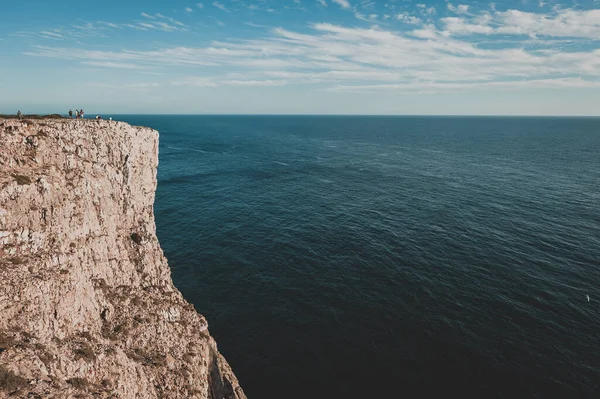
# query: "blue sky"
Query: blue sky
{"points": [[518, 57]]}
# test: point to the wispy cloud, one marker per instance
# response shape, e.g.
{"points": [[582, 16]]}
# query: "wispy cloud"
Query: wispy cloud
{"points": [[220, 6], [409, 19], [252, 82], [215, 82], [563, 23], [52, 35], [256, 25], [110, 64], [172, 20], [363, 59], [426, 10], [440, 86], [157, 22], [460, 9], [446, 54], [343, 3], [132, 86], [195, 82], [356, 46]]}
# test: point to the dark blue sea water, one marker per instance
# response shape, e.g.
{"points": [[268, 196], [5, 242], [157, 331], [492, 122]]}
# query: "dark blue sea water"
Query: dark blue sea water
{"points": [[379, 257]]}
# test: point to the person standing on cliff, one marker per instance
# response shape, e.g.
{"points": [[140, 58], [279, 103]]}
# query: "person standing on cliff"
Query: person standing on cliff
{"points": [[71, 113], [76, 114], [81, 113], [19, 115]]}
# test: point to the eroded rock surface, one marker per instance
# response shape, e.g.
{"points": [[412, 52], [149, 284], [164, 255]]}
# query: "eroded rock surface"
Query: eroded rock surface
{"points": [[87, 304]]}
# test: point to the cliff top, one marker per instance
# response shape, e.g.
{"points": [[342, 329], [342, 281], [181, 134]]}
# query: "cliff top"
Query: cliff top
{"points": [[33, 116]]}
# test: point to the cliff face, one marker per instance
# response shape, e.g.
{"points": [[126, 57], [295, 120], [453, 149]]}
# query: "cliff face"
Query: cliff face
{"points": [[87, 305]]}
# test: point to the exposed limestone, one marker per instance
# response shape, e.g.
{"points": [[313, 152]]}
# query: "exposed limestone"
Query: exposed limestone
{"points": [[87, 305]]}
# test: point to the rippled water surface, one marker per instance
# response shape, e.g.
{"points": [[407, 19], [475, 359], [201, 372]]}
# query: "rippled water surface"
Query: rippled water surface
{"points": [[358, 256]]}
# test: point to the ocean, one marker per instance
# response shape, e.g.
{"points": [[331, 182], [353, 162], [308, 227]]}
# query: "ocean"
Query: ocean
{"points": [[384, 257]]}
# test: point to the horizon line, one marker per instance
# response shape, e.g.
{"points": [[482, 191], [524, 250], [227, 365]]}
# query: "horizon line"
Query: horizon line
{"points": [[92, 115]]}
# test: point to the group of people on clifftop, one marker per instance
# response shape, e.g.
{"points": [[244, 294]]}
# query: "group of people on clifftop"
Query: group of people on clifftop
{"points": [[79, 114]]}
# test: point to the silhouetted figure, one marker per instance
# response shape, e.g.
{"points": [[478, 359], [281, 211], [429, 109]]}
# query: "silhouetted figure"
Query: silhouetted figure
{"points": [[71, 113], [81, 113], [19, 115], [76, 114]]}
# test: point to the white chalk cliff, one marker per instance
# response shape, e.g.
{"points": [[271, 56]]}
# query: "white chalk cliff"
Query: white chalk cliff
{"points": [[87, 304]]}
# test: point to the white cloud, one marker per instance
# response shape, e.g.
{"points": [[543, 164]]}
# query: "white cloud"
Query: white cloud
{"points": [[188, 9], [252, 24], [253, 82], [197, 82], [174, 21], [512, 85], [110, 64], [147, 16], [350, 59], [52, 35], [111, 24], [199, 5], [409, 19], [212, 82], [220, 6], [146, 25], [322, 2], [143, 86], [343, 3], [426, 33], [564, 23], [461, 26], [461, 9]]}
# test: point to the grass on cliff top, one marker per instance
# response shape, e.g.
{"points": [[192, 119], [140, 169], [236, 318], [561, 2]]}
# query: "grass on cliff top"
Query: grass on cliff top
{"points": [[33, 116]]}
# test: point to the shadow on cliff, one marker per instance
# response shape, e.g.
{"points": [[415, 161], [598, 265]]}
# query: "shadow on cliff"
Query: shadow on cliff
{"points": [[220, 387]]}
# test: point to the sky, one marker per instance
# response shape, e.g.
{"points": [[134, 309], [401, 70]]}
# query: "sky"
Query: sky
{"points": [[393, 57]]}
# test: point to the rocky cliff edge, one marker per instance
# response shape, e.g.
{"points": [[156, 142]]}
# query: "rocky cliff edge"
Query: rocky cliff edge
{"points": [[87, 305]]}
